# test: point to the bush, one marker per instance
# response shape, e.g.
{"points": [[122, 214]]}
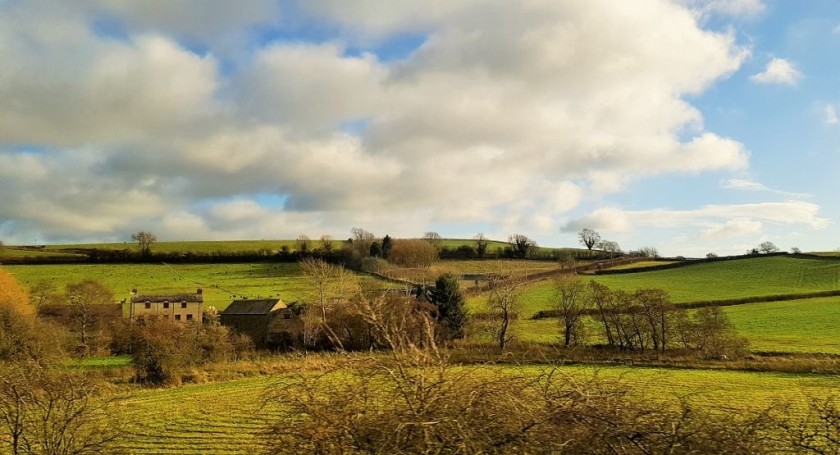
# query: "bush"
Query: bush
{"points": [[413, 253]]}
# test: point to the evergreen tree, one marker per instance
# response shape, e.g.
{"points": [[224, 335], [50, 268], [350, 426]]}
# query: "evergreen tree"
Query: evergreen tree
{"points": [[447, 296], [387, 243]]}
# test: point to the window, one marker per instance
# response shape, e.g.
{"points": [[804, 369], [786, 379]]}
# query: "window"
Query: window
{"points": [[287, 316], [177, 317], [148, 305], [183, 304], [189, 317], [165, 305]]}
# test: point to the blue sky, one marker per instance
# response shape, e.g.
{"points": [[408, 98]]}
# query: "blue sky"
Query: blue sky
{"points": [[693, 126]]}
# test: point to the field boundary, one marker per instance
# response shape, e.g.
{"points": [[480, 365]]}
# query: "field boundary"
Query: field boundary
{"points": [[691, 262], [548, 314]]}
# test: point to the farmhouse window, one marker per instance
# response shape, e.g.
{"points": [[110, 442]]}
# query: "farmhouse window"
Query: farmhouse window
{"points": [[189, 317], [287, 316], [148, 305], [165, 305], [177, 317], [183, 304]]}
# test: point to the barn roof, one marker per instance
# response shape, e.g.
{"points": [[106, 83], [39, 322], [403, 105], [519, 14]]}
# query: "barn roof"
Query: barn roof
{"points": [[257, 306]]}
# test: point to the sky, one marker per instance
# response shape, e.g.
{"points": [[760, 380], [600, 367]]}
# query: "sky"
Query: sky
{"points": [[691, 126]]}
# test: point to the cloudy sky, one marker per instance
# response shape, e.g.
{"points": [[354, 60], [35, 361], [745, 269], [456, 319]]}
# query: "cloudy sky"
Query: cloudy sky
{"points": [[688, 125]]}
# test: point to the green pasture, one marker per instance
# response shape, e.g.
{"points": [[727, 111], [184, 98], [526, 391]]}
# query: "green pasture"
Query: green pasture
{"points": [[810, 325], [220, 283], [228, 417], [760, 276], [641, 265], [800, 326]]}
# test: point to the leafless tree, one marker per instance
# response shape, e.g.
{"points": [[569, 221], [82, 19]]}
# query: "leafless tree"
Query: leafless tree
{"points": [[435, 239], [503, 303], [303, 243], [85, 297], [768, 247], [144, 240], [588, 238], [572, 301], [362, 240], [327, 243], [328, 283]]}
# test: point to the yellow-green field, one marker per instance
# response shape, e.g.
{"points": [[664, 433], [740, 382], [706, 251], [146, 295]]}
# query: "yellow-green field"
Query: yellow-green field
{"points": [[641, 265], [228, 417], [221, 283]]}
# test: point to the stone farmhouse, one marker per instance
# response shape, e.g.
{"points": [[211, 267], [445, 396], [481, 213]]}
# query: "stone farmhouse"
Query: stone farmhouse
{"points": [[269, 322], [174, 307]]}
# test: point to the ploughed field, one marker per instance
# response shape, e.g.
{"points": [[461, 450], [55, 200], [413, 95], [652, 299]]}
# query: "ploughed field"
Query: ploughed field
{"points": [[229, 417]]}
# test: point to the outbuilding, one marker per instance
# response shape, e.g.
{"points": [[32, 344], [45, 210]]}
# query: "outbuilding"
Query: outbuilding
{"points": [[269, 322]]}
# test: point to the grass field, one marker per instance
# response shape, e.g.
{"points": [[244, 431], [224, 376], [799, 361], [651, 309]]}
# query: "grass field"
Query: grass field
{"points": [[228, 417], [811, 325], [221, 283], [640, 265], [759, 276]]}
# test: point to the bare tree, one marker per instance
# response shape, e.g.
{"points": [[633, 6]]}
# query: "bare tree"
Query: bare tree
{"points": [[144, 240], [522, 245], [768, 247], [362, 240], [327, 243], [328, 283], [503, 303], [43, 292], [85, 297], [435, 239], [610, 247], [588, 238], [481, 244], [572, 301], [303, 243], [48, 410]]}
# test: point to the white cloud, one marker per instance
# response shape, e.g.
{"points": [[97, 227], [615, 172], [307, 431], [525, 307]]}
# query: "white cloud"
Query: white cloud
{"points": [[508, 114], [830, 113], [749, 185], [778, 71], [712, 217], [732, 228], [735, 8]]}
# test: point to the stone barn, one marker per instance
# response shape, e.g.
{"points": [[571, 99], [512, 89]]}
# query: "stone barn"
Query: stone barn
{"points": [[269, 322], [175, 307]]}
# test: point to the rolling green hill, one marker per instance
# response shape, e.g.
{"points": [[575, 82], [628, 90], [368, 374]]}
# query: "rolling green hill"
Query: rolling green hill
{"points": [[759, 276]]}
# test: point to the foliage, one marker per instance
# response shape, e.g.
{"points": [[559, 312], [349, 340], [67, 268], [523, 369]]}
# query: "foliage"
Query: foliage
{"points": [[481, 245], [412, 253], [22, 336], [522, 245], [161, 349], [449, 299]]}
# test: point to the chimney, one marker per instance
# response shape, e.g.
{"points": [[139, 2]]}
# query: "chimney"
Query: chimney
{"points": [[134, 292], [199, 291]]}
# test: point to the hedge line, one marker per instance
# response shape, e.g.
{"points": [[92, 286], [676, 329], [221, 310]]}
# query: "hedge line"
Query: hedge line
{"points": [[546, 314], [690, 262]]}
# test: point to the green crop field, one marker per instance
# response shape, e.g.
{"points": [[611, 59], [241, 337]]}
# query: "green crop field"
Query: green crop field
{"points": [[221, 283], [761, 276], [228, 417], [810, 325], [805, 326]]}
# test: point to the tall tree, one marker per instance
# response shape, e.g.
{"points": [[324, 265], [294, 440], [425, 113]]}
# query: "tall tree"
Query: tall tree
{"points": [[522, 245], [588, 238], [481, 244], [144, 240], [84, 297], [503, 303], [449, 299], [435, 239], [572, 302], [387, 244], [327, 243], [303, 243]]}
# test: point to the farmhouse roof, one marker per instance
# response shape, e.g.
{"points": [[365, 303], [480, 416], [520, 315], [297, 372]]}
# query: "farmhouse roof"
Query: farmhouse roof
{"points": [[256, 307], [197, 297]]}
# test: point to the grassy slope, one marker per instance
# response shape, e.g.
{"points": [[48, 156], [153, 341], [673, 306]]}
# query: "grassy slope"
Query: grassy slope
{"points": [[811, 325], [226, 417], [640, 265], [806, 326], [221, 282], [710, 281]]}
